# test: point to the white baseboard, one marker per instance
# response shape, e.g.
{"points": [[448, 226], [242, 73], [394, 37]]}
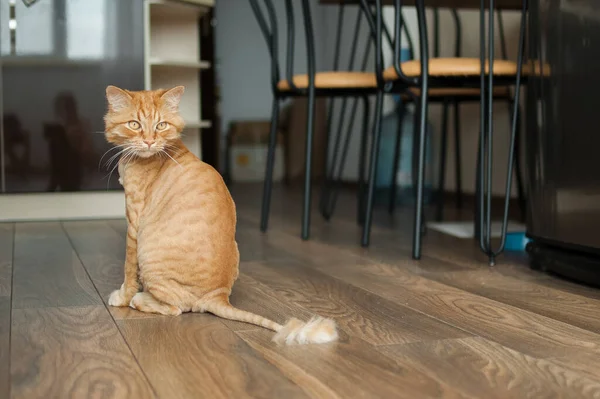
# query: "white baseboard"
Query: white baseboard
{"points": [[62, 206]]}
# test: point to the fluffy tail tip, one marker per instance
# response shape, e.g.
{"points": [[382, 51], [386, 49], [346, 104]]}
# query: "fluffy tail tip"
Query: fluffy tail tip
{"points": [[317, 330]]}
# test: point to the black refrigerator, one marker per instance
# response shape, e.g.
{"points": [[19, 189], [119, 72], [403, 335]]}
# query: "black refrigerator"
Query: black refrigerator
{"points": [[563, 137]]}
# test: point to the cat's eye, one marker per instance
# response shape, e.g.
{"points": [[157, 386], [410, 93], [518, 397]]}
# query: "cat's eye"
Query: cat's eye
{"points": [[162, 126], [135, 125]]}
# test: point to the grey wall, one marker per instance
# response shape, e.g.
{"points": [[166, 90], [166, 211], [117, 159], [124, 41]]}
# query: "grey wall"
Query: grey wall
{"points": [[243, 60]]}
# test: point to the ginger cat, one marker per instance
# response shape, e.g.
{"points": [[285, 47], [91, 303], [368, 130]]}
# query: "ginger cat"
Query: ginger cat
{"points": [[181, 248]]}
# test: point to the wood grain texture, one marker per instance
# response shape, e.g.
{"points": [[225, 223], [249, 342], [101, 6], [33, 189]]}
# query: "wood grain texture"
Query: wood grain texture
{"points": [[402, 281], [6, 255], [515, 328], [349, 368], [196, 356], [253, 249], [119, 225], [102, 252], [253, 296], [4, 347], [585, 364], [358, 312], [577, 310], [74, 352], [47, 271], [445, 326], [479, 368], [309, 250]]}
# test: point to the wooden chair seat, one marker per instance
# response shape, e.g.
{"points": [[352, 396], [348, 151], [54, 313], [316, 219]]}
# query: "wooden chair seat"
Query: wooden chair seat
{"points": [[457, 92], [534, 67], [452, 67], [333, 80]]}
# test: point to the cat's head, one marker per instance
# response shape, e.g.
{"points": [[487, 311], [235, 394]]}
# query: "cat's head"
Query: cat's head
{"points": [[143, 122]]}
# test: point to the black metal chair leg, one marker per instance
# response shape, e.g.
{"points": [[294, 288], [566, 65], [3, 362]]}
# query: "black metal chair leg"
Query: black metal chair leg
{"points": [[310, 119], [330, 110], [457, 156], [421, 139], [519, 171], [366, 235], [424, 100], [442, 171], [268, 183], [400, 110], [478, 183], [362, 163]]}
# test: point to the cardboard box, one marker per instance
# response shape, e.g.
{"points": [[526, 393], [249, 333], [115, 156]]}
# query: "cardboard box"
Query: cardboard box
{"points": [[248, 149], [293, 126]]}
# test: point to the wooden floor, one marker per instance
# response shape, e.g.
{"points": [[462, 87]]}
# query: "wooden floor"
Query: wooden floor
{"points": [[445, 326]]}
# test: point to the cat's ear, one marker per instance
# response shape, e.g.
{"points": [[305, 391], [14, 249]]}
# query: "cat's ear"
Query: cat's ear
{"points": [[118, 99], [173, 97]]}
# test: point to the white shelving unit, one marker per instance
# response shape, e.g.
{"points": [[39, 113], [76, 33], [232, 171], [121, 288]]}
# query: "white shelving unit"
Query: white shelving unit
{"points": [[173, 57]]}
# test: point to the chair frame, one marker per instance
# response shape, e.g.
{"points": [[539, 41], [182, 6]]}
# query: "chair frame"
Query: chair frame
{"points": [[271, 35], [487, 81], [456, 101]]}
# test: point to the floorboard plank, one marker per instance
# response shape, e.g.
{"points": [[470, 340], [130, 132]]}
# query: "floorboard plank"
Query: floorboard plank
{"points": [[46, 270], [4, 347], [102, 252], [521, 330], [253, 296], [346, 369], [73, 352], [515, 328], [119, 225], [577, 310], [358, 312], [6, 257], [196, 356], [586, 364], [480, 368]]}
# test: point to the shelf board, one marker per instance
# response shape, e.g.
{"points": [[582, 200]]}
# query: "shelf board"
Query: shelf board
{"points": [[206, 3], [156, 62], [46, 61], [198, 124], [179, 8]]}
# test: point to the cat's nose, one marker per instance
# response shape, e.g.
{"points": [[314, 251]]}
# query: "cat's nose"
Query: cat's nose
{"points": [[149, 143]]}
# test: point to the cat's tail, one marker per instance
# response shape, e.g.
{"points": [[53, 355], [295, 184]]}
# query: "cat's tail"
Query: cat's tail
{"points": [[317, 330]]}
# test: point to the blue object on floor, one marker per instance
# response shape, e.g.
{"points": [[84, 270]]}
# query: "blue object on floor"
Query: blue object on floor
{"points": [[405, 192], [516, 241]]}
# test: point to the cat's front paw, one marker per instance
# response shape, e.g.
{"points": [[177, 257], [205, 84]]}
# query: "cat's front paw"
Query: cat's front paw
{"points": [[117, 298]]}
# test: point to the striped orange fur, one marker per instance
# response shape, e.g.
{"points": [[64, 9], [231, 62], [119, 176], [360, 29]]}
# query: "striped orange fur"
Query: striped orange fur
{"points": [[181, 251]]}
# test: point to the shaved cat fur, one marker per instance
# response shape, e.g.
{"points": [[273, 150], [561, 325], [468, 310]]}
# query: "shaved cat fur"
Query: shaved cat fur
{"points": [[181, 251]]}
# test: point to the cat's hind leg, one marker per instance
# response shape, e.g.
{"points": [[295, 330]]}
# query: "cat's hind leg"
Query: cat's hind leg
{"points": [[146, 302]]}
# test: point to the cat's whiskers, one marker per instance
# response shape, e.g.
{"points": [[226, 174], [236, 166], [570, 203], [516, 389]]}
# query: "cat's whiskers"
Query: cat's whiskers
{"points": [[128, 152], [129, 157], [109, 150], [115, 157], [167, 154]]}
